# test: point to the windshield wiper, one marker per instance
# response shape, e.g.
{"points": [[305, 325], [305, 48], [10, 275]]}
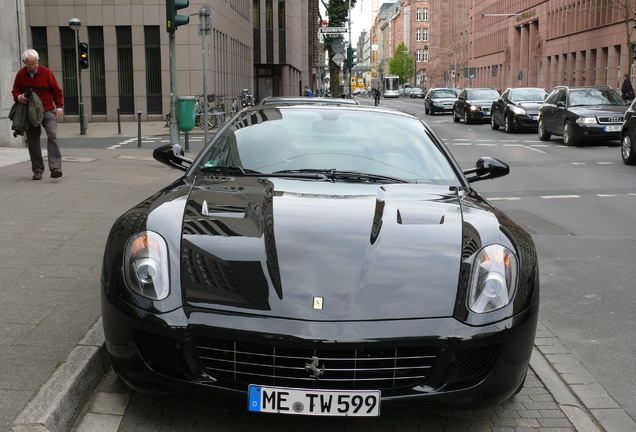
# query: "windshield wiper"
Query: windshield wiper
{"points": [[230, 170], [237, 170], [355, 176]]}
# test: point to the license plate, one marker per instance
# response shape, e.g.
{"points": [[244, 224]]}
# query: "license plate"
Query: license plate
{"points": [[616, 128], [533, 118], [284, 400], [486, 112]]}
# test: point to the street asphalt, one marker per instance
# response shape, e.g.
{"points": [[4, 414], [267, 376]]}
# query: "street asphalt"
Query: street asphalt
{"points": [[53, 364]]}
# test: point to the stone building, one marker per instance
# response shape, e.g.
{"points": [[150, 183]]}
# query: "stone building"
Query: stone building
{"points": [[269, 47]]}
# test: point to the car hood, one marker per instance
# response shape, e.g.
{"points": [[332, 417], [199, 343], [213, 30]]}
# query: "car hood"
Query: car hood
{"points": [[325, 251], [599, 110], [530, 107], [443, 99], [480, 102]]}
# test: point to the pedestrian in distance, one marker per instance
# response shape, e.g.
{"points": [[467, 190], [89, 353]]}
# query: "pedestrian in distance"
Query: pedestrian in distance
{"points": [[308, 92], [34, 77], [376, 96], [627, 91]]}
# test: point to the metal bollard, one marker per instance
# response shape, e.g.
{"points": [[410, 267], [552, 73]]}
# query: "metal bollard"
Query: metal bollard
{"points": [[118, 123], [139, 129], [187, 141]]}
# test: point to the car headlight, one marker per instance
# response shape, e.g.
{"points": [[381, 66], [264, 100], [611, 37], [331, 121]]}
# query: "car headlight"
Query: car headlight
{"points": [[493, 279], [517, 110], [474, 108], [146, 265], [586, 120]]}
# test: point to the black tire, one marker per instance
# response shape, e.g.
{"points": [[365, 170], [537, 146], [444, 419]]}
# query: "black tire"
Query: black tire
{"points": [[493, 124], [543, 135], [628, 152], [427, 111], [508, 124], [466, 118], [455, 117], [568, 135]]}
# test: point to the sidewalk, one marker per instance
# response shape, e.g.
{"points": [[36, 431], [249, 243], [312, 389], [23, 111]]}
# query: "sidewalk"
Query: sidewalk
{"points": [[53, 235], [52, 354]]}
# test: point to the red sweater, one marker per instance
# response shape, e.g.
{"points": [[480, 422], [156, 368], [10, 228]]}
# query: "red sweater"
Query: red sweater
{"points": [[43, 84]]}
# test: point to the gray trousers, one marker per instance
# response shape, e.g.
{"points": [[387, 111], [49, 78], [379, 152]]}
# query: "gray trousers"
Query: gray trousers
{"points": [[49, 123]]}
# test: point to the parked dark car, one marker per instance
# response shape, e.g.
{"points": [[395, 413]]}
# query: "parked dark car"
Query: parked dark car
{"points": [[517, 108], [416, 93], [582, 114], [439, 100], [474, 104], [295, 100], [322, 253], [628, 136]]}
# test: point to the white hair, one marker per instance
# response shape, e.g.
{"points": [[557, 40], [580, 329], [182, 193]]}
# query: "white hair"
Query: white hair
{"points": [[30, 53]]}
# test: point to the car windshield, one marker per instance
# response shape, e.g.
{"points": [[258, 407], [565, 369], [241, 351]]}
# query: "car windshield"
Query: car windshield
{"points": [[444, 94], [528, 95], [595, 96], [306, 140], [483, 94]]}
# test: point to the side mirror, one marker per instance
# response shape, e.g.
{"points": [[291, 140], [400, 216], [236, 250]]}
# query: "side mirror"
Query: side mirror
{"points": [[487, 168], [173, 156]]}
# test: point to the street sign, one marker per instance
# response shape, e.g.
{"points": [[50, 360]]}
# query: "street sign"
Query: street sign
{"points": [[338, 58], [333, 30], [338, 46]]}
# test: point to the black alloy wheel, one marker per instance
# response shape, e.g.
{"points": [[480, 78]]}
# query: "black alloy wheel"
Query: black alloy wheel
{"points": [[508, 123], [543, 135], [493, 123], [628, 152], [568, 134]]}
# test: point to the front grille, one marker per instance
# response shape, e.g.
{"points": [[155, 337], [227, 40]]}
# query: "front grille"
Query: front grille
{"points": [[162, 354], [237, 365], [610, 120], [470, 366]]}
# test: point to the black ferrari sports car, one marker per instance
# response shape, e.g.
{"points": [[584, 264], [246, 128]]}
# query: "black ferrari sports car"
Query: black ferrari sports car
{"points": [[322, 260]]}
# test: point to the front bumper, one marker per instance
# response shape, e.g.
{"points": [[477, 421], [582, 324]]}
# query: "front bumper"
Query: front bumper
{"points": [[602, 132], [195, 350]]}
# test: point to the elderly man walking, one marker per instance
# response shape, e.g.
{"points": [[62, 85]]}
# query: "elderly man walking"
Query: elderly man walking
{"points": [[39, 79]]}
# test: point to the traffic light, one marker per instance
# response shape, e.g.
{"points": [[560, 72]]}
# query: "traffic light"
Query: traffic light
{"points": [[82, 49], [172, 19], [634, 26], [633, 50], [351, 57]]}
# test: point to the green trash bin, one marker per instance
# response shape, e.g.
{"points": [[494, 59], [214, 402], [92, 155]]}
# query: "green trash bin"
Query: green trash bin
{"points": [[185, 107]]}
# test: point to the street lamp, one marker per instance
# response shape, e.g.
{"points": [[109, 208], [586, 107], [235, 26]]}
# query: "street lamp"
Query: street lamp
{"points": [[75, 25], [454, 62]]}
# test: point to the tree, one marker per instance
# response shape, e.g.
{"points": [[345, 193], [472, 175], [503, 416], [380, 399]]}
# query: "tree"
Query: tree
{"points": [[402, 64], [625, 9], [337, 12]]}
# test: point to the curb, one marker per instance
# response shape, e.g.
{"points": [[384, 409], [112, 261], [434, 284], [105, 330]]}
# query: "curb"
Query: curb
{"points": [[55, 407]]}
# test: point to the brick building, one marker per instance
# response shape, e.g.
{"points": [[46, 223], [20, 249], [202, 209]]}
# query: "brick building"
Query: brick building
{"points": [[506, 43]]}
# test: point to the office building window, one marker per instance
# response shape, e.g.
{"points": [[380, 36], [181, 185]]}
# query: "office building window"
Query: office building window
{"points": [[96, 69], [69, 70], [125, 70], [40, 44], [153, 70]]}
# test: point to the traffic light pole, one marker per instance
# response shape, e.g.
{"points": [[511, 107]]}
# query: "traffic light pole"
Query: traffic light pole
{"points": [[80, 104], [172, 58]]}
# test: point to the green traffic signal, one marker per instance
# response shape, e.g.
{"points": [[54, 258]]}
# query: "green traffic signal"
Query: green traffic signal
{"points": [[82, 49], [172, 19], [351, 57]]}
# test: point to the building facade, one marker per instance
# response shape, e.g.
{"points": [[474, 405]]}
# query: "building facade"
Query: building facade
{"points": [[266, 46], [510, 43]]}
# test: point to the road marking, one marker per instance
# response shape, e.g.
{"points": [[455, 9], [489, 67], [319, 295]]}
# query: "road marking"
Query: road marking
{"points": [[505, 199], [559, 196]]}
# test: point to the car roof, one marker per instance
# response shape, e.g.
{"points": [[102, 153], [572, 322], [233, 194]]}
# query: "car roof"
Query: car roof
{"points": [[307, 100]]}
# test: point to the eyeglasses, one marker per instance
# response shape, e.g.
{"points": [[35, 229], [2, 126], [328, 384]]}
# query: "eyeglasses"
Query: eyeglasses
{"points": [[31, 64]]}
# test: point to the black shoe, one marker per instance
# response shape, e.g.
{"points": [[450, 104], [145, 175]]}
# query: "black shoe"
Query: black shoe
{"points": [[55, 173], [37, 176]]}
